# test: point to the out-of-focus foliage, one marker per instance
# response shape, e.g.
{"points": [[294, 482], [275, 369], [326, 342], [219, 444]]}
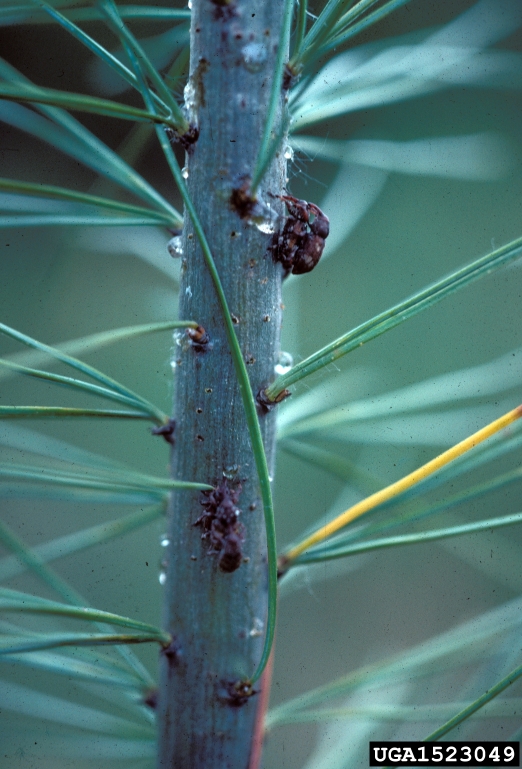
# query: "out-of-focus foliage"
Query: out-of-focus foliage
{"points": [[408, 137]]}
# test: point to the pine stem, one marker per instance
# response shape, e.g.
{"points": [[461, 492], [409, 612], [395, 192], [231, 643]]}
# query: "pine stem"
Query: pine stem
{"points": [[216, 616]]}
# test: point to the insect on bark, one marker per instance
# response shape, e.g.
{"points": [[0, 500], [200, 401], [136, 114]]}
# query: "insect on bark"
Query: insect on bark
{"points": [[221, 526], [301, 243]]}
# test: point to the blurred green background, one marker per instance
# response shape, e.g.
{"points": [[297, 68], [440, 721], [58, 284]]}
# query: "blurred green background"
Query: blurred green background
{"points": [[62, 284]]}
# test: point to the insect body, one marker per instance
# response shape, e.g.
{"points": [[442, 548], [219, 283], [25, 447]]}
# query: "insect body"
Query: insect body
{"points": [[221, 526], [301, 243]]}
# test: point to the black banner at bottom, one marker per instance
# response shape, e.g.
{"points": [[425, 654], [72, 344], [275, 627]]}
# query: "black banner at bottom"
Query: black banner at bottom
{"points": [[447, 754]]}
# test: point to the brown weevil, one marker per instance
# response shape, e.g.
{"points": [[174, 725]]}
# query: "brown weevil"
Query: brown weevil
{"points": [[300, 244], [199, 339], [220, 525]]}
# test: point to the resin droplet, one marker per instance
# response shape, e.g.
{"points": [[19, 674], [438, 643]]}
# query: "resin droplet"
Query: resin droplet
{"points": [[162, 578], [230, 472], [164, 540], [174, 246], [183, 341], [265, 218], [289, 152], [185, 172], [257, 630], [190, 97], [254, 56], [268, 226], [189, 5], [284, 363]]}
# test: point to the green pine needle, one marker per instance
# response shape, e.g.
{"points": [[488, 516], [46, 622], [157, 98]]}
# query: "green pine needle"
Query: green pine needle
{"points": [[331, 551], [396, 315], [16, 601], [52, 192], [81, 103], [148, 409]]}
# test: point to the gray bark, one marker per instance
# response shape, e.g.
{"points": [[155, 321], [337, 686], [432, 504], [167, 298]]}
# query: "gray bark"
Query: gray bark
{"points": [[218, 619]]}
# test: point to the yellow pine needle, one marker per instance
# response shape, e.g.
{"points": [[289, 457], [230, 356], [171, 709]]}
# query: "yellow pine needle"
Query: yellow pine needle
{"points": [[399, 486]]}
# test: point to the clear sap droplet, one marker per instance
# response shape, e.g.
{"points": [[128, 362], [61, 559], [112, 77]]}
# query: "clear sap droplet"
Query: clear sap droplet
{"points": [[174, 246], [189, 5], [185, 172], [162, 578], [266, 226], [230, 472], [189, 95], [271, 478], [173, 364], [257, 629], [264, 217], [181, 340], [191, 101], [164, 540], [254, 56], [289, 152], [284, 363]]}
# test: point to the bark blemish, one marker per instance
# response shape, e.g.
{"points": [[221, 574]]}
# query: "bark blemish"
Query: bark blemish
{"points": [[167, 431], [265, 405], [151, 699], [187, 140], [241, 201], [238, 693], [173, 652], [290, 77], [224, 10]]}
